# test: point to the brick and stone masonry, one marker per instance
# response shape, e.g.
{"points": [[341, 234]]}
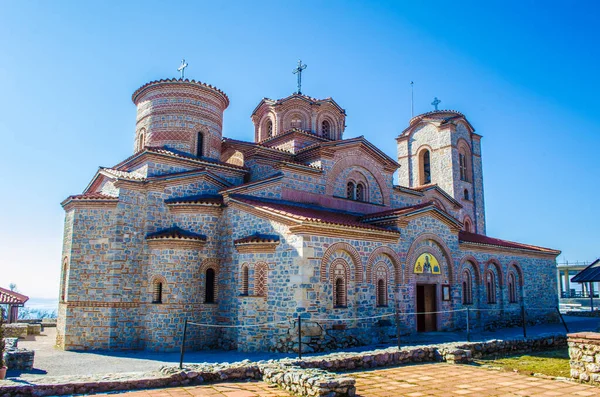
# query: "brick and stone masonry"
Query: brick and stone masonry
{"points": [[299, 222]]}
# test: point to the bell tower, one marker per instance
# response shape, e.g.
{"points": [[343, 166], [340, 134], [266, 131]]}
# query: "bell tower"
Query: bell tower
{"points": [[441, 148], [181, 115]]}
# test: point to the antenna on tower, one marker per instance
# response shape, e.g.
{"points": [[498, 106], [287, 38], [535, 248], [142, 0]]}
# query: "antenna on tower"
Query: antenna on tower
{"points": [[412, 100]]}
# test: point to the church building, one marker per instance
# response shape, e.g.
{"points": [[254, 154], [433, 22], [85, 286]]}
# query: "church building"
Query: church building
{"points": [[297, 221]]}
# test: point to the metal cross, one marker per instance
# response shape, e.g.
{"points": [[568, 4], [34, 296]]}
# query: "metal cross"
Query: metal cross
{"points": [[436, 102], [182, 67], [298, 71]]}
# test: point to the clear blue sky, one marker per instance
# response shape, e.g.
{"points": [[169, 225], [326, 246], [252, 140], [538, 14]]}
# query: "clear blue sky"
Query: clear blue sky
{"points": [[524, 73]]}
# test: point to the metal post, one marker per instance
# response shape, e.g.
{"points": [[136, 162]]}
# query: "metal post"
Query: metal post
{"points": [[591, 296], [524, 320], [398, 325], [468, 328], [183, 344], [299, 337], [562, 319]]}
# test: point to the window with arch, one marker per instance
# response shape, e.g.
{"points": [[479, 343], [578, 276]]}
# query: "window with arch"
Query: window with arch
{"points": [[425, 166], [466, 194], [490, 286], [381, 286], [200, 145], [325, 129], [65, 280], [512, 288], [468, 226], [269, 129], [360, 192], [210, 288], [467, 285], [339, 286], [296, 121], [141, 140], [350, 190], [462, 165], [245, 271], [157, 291]]}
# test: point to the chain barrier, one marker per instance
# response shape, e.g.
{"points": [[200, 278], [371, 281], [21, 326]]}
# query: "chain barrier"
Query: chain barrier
{"points": [[397, 314]]}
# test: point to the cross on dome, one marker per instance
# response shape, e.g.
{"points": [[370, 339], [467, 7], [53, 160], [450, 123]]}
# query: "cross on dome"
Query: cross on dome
{"points": [[436, 102], [298, 71], [182, 67]]}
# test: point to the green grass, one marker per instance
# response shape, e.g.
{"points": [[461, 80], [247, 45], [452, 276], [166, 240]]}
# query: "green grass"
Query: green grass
{"points": [[550, 363]]}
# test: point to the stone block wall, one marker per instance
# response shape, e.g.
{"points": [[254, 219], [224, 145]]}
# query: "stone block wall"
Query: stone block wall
{"points": [[584, 355]]}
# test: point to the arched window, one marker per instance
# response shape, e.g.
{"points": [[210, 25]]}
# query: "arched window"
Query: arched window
{"points": [[200, 145], [209, 291], [325, 129], [65, 280], [340, 293], [491, 287], [381, 293], [157, 289], [260, 279], [141, 140], [350, 193], [512, 288], [360, 192], [462, 165], [466, 194], [269, 129], [296, 121], [244, 280], [467, 225], [339, 285], [467, 292], [425, 167]]}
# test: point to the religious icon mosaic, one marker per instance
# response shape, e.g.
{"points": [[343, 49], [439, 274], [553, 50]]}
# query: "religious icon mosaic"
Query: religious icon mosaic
{"points": [[428, 264]]}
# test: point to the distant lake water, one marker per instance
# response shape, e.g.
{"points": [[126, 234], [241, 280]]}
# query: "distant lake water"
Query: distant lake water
{"points": [[45, 304]]}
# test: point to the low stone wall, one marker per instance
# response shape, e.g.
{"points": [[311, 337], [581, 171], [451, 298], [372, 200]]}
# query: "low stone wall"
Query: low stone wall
{"points": [[16, 330], [19, 359], [311, 376], [595, 313], [584, 354], [34, 329]]}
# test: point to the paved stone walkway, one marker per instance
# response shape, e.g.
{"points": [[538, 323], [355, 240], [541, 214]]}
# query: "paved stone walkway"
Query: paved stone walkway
{"points": [[438, 380]]}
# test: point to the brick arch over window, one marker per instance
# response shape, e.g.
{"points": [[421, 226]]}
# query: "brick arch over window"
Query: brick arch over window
{"points": [[351, 251], [494, 263], [333, 124], [417, 249], [156, 279], [468, 224], [214, 264], [264, 126], [289, 114], [360, 161], [471, 262], [465, 163], [391, 255], [339, 282], [244, 279], [519, 272]]}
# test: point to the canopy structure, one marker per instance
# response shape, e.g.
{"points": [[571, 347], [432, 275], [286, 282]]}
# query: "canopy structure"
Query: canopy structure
{"points": [[13, 300], [590, 275]]}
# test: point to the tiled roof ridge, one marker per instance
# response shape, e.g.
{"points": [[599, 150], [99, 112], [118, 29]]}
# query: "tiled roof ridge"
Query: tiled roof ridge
{"points": [[176, 153], [422, 115], [249, 184], [130, 175], [398, 210], [259, 144], [8, 296], [175, 232], [257, 238], [475, 238], [176, 81], [308, 213], [297, 130], [92, 196]]}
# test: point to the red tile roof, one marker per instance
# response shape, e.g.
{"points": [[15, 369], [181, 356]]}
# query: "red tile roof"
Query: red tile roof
{"points": [[398, 211], [92, 196], [11, 297], [306, 212], [257, 238], [179, 81], [467, 237], [175, 233]]}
